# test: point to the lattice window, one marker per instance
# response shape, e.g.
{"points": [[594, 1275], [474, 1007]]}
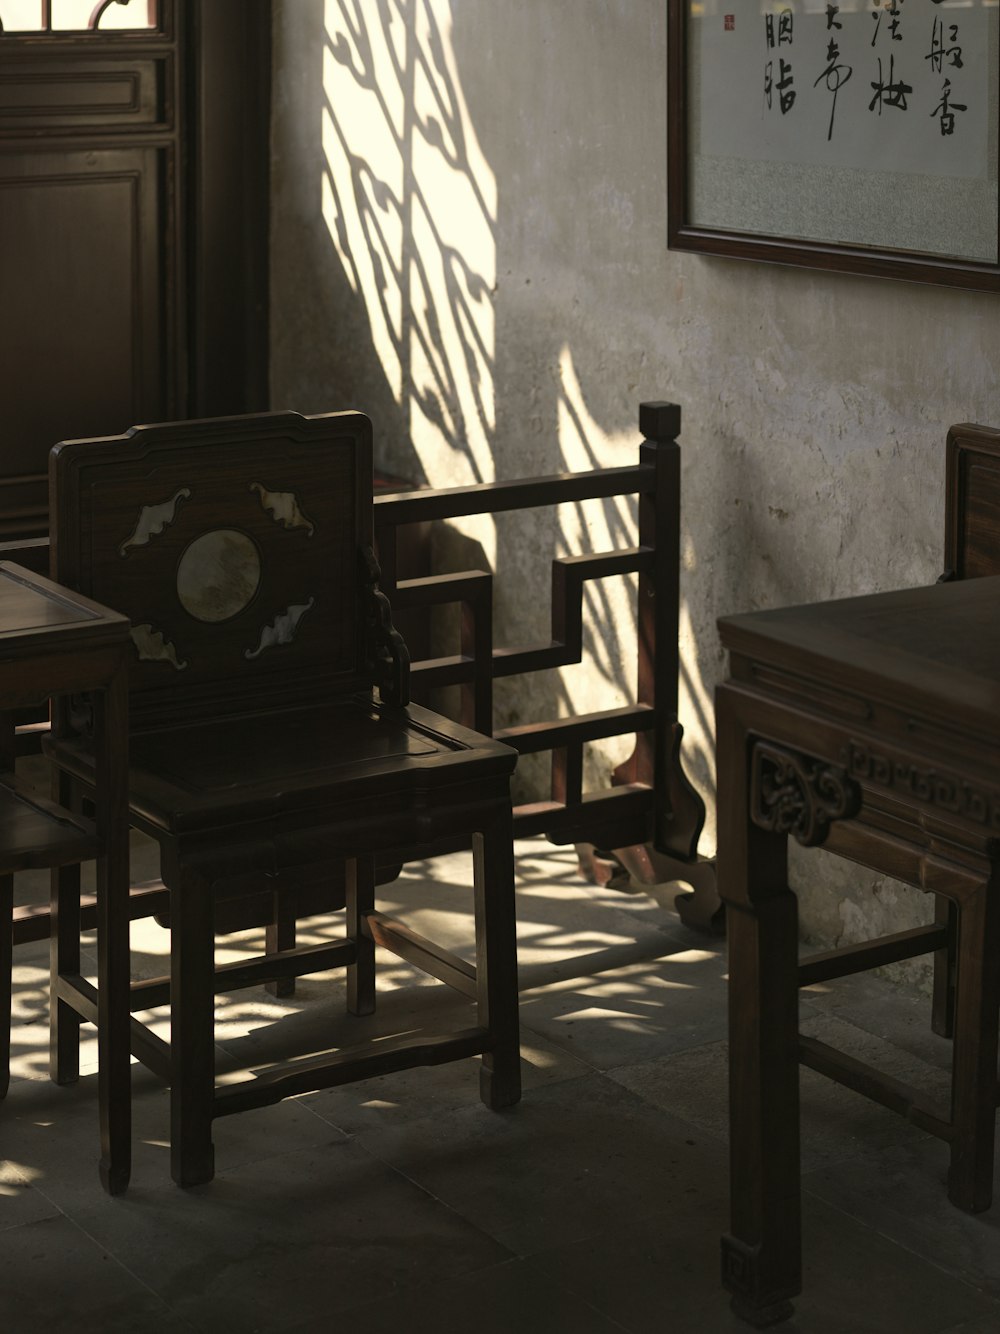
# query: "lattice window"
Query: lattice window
{"points": [[63, 16]]}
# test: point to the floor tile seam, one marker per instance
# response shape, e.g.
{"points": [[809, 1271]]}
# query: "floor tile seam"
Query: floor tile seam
{"points": [[39, 1190], [668, 1055], [896, 1242], [531, 1262], [107, 1250], [425, 1191], [695, 1127], [591, 1069]]}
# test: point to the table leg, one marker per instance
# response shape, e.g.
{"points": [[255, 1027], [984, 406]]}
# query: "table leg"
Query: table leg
{"points": [[64, 950], [113, 957], [974, 1079], [761, 1255]]}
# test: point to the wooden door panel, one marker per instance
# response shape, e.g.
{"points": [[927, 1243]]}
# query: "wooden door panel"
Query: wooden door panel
{"points": [[133, 229], [81, 270], [61, 94]]}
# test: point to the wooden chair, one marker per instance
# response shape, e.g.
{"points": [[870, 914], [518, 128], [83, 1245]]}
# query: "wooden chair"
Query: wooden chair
{"points": [[241, 551], [971, 551]]}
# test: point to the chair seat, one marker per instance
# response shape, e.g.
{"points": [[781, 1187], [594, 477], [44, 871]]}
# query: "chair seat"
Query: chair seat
{"points": [[270, 769]]}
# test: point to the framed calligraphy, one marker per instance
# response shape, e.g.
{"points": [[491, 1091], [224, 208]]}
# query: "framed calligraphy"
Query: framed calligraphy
{"points": [[860, 136]]}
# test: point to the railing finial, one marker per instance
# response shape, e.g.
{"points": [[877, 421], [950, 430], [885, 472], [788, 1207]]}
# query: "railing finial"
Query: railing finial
{"points": [[660, 421]]}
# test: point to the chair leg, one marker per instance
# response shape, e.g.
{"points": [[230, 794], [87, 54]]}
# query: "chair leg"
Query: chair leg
{"points": [[64, 960], [496, 960], [192, 1033], [359, 885], [280, 935], [6, 981], [64, 949], [974, 1071]]}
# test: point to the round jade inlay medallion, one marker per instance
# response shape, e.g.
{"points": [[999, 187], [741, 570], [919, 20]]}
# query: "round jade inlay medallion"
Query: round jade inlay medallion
{"points": [[218, 575]]}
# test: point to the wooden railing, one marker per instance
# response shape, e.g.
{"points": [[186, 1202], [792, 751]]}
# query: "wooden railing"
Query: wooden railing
{"points": [[650, 800]]}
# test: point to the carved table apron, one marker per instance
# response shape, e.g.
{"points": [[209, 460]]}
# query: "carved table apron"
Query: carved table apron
{"points": [[870, 725]]}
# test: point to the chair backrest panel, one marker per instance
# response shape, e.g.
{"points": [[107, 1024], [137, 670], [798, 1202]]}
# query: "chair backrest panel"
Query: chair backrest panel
{"points": [[233, 547], [972, 513]]}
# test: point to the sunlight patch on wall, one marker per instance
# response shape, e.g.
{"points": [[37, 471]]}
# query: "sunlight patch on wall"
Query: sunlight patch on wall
{"points": [[410, 203], [362, 187], [607, 677]]}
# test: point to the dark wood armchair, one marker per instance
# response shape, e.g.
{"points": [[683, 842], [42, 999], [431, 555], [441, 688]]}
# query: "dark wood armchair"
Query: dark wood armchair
{"points": [[241, 551]]}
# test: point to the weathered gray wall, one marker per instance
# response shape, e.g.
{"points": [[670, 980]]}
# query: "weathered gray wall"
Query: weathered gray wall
{"points": [[511, 159]]}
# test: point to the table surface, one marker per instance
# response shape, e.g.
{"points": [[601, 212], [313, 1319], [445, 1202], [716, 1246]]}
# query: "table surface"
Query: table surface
{"points": [[936, 648], [37, 615]]}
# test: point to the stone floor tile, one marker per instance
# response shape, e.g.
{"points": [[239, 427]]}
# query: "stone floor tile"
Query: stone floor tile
{"points": [[414, 1095], [20, 1202], [661, 1273], [633, 1011], [286, 1240], [51, 1135], [902, 1192], [988, 1324], [836, 1123], [54, 1277], [565, 1163], [500, 1300], [888, 1012]]}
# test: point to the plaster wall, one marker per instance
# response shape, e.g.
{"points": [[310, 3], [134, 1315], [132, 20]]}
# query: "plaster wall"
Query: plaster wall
{"points": [[469, 243]]}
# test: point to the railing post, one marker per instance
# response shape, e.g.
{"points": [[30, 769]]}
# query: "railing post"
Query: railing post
{"points": [[660, 529], [678, 811]]}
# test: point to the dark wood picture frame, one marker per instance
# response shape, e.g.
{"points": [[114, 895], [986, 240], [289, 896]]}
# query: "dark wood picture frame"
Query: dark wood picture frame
{"points": [[683, 234]]}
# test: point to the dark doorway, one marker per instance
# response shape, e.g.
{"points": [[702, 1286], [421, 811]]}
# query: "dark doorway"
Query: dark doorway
{"points": [[133, 223]]}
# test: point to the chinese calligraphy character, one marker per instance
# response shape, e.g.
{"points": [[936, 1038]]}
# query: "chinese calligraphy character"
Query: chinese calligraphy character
{"points": [[946, 109], [786, 93], [939, 52], [835, 76], [831, 17], [894, 12], [889, 92], [785, 32]]}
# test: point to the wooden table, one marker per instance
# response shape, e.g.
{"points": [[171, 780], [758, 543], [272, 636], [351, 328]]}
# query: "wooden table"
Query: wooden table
{"points": [[871, 725], [56, 643]]}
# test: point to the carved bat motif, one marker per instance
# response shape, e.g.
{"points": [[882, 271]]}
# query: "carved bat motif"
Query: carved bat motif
{"points": [[283, 507], [281, 630], [153, 519], [153, 647]]}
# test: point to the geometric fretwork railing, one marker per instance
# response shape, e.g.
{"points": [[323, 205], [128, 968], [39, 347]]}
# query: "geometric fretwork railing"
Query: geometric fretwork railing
{"points": [[651, 800]]}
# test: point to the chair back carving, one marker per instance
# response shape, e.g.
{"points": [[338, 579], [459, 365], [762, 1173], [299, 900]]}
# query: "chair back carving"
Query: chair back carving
{"points": [[236, 548], [972, 498]]}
